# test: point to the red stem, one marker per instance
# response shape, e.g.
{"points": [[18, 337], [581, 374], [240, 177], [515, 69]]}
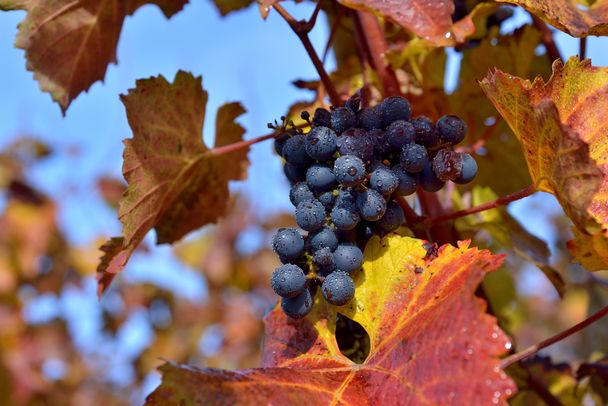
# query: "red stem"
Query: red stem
{"points": [[582, 53], [501, 201], [376, 44], [241, 144], [552, 340], [547, 39], [301, 29]]}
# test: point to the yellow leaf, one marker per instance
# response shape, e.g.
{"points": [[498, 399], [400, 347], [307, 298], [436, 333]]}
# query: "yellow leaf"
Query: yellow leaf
{"points": [[561, 125]]}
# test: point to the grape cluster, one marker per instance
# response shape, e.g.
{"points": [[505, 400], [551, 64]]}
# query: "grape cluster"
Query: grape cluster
{"points": [[346, 173]]}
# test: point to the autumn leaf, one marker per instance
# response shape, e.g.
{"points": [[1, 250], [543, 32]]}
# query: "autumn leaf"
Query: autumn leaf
{"points": [[569, 16], [515, 54], [560, 124], [431, 341], [430, 20], [68, 45], [175, 183]]}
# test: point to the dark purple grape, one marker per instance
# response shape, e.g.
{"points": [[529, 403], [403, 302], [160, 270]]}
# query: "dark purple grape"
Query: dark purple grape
{"points": [[344, 217], [294, 150], [288, 280], [429, 180], [349, 170], [371, 205], [342, 119], [383, 180], [300, 192], [295, 173], [357, 142], [320, 178], [395, 108], [299, 306], [288, 243], [321, 143], [447, 165], [425, 131], [279, 143], [348, 258], [338, 288], [413, 158], [353, 103], [321, 118], [469, 169], [408, 182], [323, 238], [452, 129], [393, 218], [399, 134], [370, 118], [310, 215], [327, 199], [324, 260], [380, 141]]}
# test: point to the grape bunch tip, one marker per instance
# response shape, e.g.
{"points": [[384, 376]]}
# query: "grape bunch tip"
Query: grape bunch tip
{"points": [[345, 174]]}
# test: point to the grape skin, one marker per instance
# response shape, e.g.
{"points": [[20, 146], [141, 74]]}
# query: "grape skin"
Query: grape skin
{"points": [[349, 170], [299, 306], [338, 288], [310, 215], [288, 280], [288, 243], [348, 258]]}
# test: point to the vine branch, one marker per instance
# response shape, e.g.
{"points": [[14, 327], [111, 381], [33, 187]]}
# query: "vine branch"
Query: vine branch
{"points": [[501, 201], [301, 29], [375, 42], [552, 340], [547, 39], [226, 149], [582, 51]]}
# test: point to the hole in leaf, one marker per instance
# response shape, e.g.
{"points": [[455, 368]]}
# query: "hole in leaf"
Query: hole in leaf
{"points": [[352, 339]]}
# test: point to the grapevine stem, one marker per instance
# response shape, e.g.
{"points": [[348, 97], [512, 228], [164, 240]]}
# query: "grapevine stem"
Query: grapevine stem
{"points": [[582, 53], [376, 44], [552, 340], [501, 201], [226, 149], [411, 217], [547, 39], [301, 29], [332, 33]]}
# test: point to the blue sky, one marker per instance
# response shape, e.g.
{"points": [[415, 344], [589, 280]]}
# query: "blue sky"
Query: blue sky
{"points": [[241, 58]]}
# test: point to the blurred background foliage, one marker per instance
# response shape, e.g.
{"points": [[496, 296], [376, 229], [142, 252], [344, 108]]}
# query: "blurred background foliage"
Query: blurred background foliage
{"points": [[201, 302]]}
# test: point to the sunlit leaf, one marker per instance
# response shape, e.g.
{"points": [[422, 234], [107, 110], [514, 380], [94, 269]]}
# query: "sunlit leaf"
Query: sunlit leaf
{"points": [[561, 125], [69, 45], [175, 183], [568, 16], [431, 341]]}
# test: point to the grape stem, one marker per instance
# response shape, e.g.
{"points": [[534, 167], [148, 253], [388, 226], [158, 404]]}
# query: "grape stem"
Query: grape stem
{"points": [[582, 49], [226, 149], [301, 29], [501, 201], [370, 31], [547, 38], [552, 340]]}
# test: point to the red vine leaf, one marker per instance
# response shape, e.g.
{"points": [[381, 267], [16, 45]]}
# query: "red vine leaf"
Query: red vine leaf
{"points": [[431, 341], [569, 16], [69, 44], [175, 183], [561, 126]]}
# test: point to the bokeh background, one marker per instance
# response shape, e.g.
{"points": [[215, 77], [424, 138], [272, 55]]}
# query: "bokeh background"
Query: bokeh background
{"points": [[201, 301]]}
